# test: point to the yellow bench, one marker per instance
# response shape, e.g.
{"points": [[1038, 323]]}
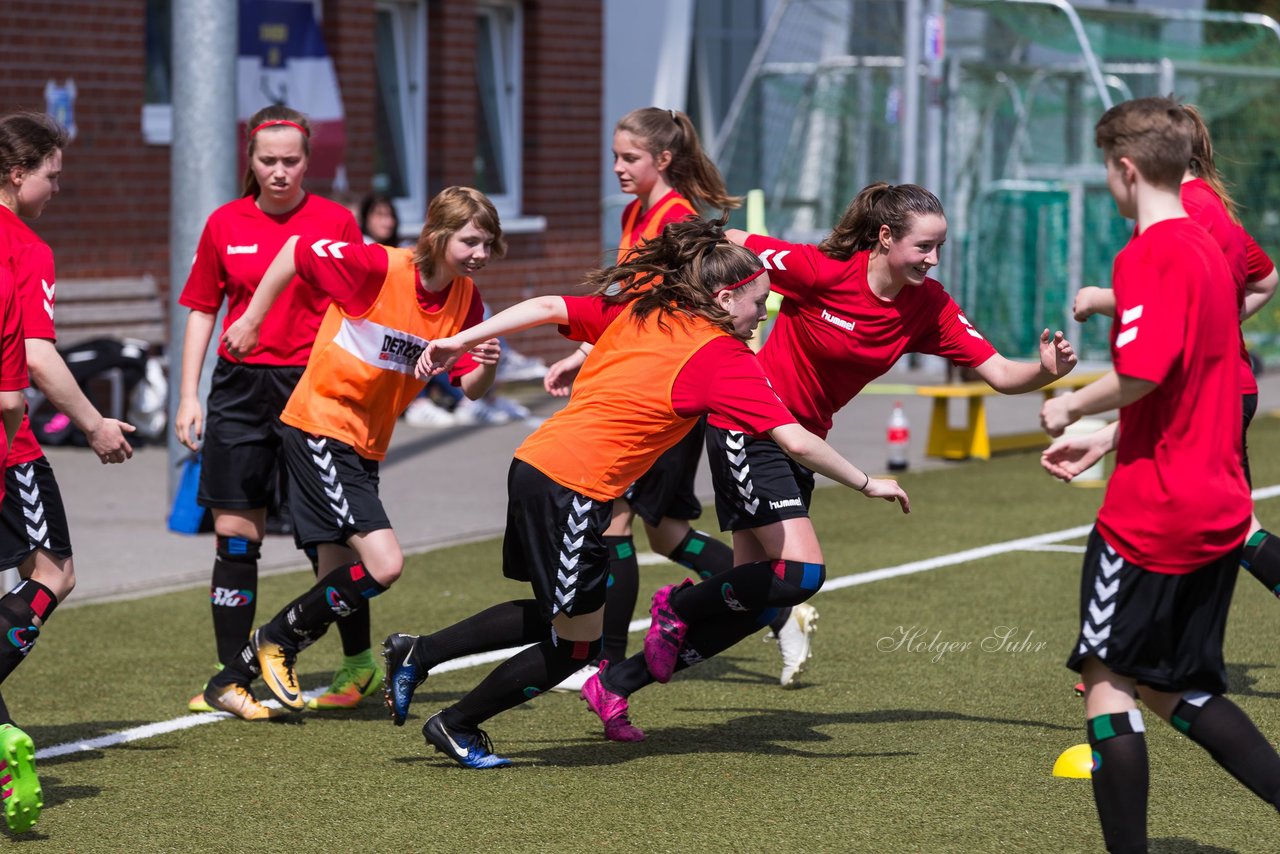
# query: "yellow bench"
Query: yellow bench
{"points": [[973, 439]]}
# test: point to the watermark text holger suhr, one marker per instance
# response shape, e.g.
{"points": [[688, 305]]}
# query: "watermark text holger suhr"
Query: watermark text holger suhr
{"points": [[921, 641]]}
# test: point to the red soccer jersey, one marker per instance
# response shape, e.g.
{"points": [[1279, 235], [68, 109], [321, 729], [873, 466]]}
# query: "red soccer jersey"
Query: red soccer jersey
{"points": [[13, 352], [1178, 498], [1203, 205], [723, 378], [30, 263], [355, 279], [238, 244], [1260, 266], [833, 335]]}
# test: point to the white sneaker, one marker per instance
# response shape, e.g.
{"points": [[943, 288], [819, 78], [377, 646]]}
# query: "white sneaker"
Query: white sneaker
{"points": [[515, 366], [479, 412], [423, 413], [795, 642], [574, 683]]}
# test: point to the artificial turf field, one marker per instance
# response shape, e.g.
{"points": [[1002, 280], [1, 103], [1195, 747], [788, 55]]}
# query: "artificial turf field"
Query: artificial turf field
{"points": [[883, 749]]}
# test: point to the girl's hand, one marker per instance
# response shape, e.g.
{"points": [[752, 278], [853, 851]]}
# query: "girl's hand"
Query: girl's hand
{"points": [[1056, 415], [889, 490], [189, 423], [438, 357], [560, 376], [1084, 306], [241, 338], [1057, 356], [1070, 455], [487, 352]]}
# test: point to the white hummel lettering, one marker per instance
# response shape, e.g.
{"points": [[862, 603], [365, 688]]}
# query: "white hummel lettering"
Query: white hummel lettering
{"points": [[251, 249]]}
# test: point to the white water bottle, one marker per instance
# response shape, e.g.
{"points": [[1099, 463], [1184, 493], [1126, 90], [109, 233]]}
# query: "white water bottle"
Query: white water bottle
{"points": [[899, 437]]}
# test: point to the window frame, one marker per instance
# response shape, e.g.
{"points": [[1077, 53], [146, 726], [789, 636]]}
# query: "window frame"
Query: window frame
{"points": [[506, 32], [410, 36]]}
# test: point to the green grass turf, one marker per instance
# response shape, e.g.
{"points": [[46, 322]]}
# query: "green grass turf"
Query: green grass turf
{"points": [[882, 750]]}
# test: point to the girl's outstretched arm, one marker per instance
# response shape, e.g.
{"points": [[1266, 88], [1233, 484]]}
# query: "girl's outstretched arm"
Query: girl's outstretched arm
{"points": [[443, 352], [814, 452]]}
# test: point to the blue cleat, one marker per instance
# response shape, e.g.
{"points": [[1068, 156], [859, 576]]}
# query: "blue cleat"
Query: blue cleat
{"points": [[469, 747], [403, 676]]}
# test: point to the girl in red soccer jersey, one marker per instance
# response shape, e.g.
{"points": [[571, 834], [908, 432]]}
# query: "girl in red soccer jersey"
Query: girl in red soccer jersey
{"points": [[387, 304], [1205, 198], [670, 324], [242, 436], [34, 535], [658, 158], [853, 305]]}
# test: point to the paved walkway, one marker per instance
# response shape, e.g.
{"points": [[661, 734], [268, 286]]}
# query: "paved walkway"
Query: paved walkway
{"points": [[440, 487]]}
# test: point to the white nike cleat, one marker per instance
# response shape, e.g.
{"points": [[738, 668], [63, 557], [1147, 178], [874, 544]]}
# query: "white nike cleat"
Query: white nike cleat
{"points": [[795, 642]]}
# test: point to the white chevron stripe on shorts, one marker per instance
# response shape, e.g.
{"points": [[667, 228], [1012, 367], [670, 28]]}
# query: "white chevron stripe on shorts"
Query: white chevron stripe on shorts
{"points": [[570, 553], [1096, 626], [736, 453], [323, 461], [32, 507]]}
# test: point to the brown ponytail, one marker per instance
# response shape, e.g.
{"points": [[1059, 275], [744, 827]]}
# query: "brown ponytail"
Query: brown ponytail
{"points": [[1202, 165], [691, 172], [876, 205]]}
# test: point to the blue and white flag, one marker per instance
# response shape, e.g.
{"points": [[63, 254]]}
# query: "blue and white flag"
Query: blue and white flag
{"points": [[283, 60]]}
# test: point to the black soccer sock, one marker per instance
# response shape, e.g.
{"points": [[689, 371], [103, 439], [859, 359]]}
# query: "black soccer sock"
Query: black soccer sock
{"points": [[750, 587], [702, 642], [703, 554], [620, 596], [1261, 556], [502, 626], [20, 608], [520, 678], [233, 593], [304, 620], [780, 620], [1120, 779], [354, 629], [1222, 728]]}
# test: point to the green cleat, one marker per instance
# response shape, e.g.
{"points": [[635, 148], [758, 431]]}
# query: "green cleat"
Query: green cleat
{"points": [[356, 679], [19, 786]]}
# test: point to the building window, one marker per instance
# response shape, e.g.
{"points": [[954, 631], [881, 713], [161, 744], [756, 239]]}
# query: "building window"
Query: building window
{"points": [[498, 61], [400, 148]]}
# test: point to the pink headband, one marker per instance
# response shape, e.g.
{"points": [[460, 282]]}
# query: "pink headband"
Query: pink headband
{"points": [[280, 123], [757, 274]]}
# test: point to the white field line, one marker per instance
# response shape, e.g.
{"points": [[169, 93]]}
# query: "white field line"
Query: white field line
{"points": [[966, 556]]}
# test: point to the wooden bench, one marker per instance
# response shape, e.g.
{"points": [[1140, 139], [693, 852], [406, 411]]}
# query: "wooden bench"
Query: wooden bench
{"points": [[973, 438], [127, 307]]}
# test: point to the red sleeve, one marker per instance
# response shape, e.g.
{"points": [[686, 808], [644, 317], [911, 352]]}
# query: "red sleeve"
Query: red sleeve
{"points": [[13, 350], [793, 267], [206, 282], [588, 317], [1150, 322], [34, 282], [954, 338], [466, 364], [725, 379], [351, 273], [1260, 266]]}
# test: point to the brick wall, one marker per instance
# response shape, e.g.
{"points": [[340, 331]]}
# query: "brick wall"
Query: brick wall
{"points": [[111, 218]]}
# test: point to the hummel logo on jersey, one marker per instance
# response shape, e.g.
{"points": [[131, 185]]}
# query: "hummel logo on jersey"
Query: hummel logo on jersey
{"points": [[326, 248], [48, 296], [400, 350], [251, 249], [786, 502], [1127, 332], [846, 325]]}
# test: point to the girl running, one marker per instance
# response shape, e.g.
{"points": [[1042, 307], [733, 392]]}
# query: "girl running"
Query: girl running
{"points": [[34, 536], [242, 438], [852, 306], [387, 304], [658, 158], [670, 325]]}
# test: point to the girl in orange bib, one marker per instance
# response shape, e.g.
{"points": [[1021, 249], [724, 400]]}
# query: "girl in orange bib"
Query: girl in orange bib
{"points": [[387, 305], [670, 326]]}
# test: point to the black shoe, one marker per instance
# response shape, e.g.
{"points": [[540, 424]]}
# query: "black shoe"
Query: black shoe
{"points": [[403, 675]]}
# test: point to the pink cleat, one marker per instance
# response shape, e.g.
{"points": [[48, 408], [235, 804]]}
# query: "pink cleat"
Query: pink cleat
{"points": [[666, 634], [611, 709]]}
